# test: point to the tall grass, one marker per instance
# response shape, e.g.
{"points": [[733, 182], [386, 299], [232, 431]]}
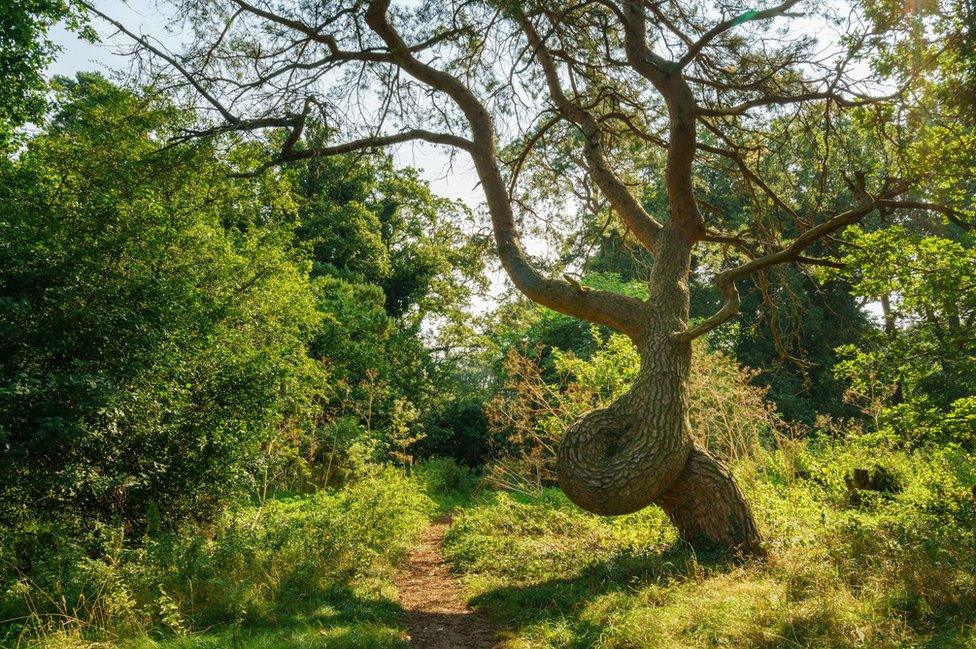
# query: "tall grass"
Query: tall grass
{"points": [[256, 567]]}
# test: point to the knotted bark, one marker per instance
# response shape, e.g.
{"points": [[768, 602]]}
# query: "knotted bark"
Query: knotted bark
{"points": [[619, 459], [639, 450], [709, 509]]}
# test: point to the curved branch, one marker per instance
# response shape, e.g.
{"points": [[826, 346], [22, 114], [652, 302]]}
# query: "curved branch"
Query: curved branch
{"points": [[725, 281], [617, 311], [951, 214], [642, 224], [666, 77], [602, 307]]}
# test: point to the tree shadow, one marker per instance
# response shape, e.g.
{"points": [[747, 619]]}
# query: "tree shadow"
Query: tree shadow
{"points": [[561, 603], [337, 619], [552, 600], [449, 630]]}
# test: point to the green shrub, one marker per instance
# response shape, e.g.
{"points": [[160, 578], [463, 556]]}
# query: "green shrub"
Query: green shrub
{"points": [[146, 349], [444, 476]]}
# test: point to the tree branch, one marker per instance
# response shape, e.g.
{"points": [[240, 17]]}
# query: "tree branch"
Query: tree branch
{"points": [[783, 100], [951, 214], [725, 281], [617, 311], [726, 25], [224, 112], [289, 154], [642, 224]]}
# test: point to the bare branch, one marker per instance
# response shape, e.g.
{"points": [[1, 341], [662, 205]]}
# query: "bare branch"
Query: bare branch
{"points": [[642, 224], [771, 99], [316, 35], [224, 112], [725, 281], [288, 154]]}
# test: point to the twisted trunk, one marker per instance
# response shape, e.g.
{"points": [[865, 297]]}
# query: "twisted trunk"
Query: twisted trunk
{"points": [[639, 449], [709, 509]]}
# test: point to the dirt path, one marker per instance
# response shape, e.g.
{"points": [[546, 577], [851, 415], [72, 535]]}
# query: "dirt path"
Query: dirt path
{"points": [[436, 615]]}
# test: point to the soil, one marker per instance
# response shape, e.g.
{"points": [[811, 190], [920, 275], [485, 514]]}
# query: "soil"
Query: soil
{"points": [[436, 615]]}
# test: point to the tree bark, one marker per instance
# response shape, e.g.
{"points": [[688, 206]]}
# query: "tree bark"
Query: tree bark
{"points": [[639, 449], [709, 509]]}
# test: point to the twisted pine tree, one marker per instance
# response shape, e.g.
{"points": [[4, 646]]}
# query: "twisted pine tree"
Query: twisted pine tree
{"points": [[685, 84]]}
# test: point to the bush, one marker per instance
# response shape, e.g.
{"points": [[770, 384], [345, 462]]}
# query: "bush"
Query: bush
{"points": [[444, 477], [147, 347], [459, 430]]}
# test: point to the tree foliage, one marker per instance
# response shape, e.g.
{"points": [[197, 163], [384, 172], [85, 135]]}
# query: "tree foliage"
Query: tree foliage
{"points": [[147, 348], [25, 49], [917, 375]]}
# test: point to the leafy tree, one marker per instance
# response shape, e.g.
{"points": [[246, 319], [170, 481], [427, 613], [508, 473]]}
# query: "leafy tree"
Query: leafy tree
{"points": [[916, 376], [459, 430], [792, 332], [25, 50], [145, 349], [370, 222], [930, 47], [395, 271]]}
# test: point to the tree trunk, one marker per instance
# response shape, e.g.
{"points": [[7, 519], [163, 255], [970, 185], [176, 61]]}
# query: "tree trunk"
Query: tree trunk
{"points": [[639, 449], [708, 508]]}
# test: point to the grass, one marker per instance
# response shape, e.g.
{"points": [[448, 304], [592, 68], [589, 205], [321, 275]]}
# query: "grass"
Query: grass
{"points": [[845, 570], [302, 571], [360, 618]]}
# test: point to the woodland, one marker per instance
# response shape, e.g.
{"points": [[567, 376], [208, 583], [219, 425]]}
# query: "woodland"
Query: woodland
{"points": [[691, 361]]}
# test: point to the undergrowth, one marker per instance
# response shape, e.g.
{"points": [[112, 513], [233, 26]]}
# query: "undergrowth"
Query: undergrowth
{"points": [[893, 565], [308, 570]]}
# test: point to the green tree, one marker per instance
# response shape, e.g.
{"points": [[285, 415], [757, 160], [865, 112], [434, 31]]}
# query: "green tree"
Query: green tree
{"points": [[605, 79], [395, 271], [25, 50], [917, 375], [145, 348], [369, 222]]}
